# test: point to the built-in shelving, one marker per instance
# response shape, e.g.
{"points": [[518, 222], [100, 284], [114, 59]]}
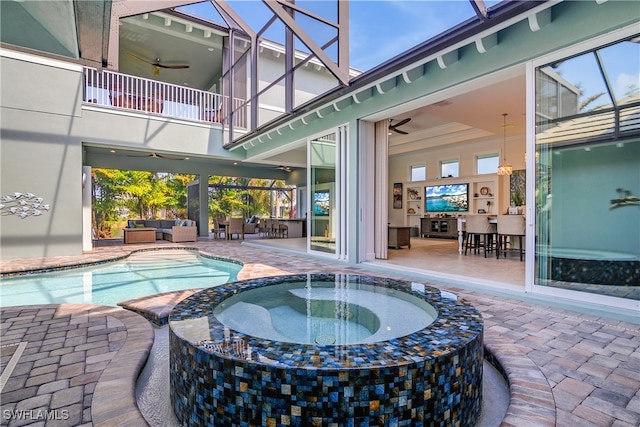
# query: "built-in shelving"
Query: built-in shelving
{"points": [[414, 206], [483, 195]]}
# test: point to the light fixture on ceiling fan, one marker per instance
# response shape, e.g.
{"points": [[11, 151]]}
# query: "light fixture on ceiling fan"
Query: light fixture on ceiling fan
{"points": [[504, 168], [158, 65], [395, 127]]}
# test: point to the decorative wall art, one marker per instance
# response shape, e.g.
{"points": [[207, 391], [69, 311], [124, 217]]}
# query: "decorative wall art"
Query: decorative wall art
{"points": [[397, 195], [517, 187], [23, 205]]}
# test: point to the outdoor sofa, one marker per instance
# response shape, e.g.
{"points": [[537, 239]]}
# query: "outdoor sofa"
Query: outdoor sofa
{"points": [[178, 230]]}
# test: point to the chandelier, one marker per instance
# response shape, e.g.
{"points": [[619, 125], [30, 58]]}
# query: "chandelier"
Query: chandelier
{"points": [[504, 168]]}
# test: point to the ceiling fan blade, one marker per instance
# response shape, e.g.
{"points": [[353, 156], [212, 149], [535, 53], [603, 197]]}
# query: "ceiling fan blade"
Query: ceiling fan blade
{"points": [[402, 122], [158, 65], [168, 157], [174, 67], [157, 156], [140, 59], [401, 132]]}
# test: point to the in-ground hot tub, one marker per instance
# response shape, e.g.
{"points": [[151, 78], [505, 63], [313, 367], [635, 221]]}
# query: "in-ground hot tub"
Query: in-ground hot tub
{"points": [[321, 349]]}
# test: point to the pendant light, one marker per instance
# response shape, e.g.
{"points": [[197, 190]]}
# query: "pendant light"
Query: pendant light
{"points": [[504, 168]]}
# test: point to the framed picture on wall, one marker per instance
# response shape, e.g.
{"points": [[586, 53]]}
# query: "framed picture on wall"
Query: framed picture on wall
{"points": [[397, 195], [321, 203]]}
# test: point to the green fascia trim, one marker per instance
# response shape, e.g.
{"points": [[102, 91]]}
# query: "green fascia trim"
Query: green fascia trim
{"points": [[571, 22]]}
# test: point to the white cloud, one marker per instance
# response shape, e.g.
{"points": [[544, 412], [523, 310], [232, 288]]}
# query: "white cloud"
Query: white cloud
{"points": [[626, 83]]}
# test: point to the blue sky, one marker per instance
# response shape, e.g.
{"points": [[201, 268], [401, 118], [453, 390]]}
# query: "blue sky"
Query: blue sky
{"points": [[379, 30]]}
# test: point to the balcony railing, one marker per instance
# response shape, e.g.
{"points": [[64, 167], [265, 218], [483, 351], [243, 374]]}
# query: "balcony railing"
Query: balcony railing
{"points": [[122, 91]]}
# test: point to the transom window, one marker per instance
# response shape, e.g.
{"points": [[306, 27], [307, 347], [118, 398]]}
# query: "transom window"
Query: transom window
{"points": [[487, 163], [418, 173], [450, 168]]}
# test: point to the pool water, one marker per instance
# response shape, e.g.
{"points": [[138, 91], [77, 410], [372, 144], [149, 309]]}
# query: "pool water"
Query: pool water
{"points": [[141, 274], [318, 313]]}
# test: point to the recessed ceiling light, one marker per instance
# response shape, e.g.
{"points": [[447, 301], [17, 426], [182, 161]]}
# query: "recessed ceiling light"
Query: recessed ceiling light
{"points": [[112, 151], [186, 158], [210, 49], [235, 163]]}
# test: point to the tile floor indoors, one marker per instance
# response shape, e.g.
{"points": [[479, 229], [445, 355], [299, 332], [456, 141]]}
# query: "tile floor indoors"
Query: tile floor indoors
{"points": [[566, 365]]}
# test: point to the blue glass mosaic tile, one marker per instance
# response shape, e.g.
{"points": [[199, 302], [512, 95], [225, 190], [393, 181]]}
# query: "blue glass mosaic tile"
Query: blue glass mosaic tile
{"points": [[432, 377]]}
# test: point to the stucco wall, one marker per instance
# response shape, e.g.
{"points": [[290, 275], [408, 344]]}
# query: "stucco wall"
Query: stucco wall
{"points": [[39, 155]]}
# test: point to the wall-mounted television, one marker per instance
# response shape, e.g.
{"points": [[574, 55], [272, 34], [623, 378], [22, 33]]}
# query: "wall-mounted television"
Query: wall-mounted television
{"points": [[321, 203], [447, 198]]}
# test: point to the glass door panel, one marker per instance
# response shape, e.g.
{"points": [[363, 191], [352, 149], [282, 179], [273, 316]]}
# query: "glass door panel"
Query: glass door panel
{"points": [[323, 194]]}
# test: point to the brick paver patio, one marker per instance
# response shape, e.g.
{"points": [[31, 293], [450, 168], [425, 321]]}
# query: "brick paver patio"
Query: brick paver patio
{"points": [[564, 367]]}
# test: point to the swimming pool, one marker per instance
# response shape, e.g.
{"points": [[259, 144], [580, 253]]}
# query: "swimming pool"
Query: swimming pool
{"points": [[141, 274]]}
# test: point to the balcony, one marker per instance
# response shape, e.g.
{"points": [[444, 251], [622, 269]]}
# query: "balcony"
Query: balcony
{"points": [[130, 93]]}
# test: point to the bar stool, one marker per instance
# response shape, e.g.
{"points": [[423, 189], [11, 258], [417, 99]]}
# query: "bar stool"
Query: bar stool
{"points": [[279, 229], [510, 226], [479, 234]]}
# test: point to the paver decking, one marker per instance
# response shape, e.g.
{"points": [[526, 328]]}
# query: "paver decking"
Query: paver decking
{"points": [[61, 359], [565, 368]]}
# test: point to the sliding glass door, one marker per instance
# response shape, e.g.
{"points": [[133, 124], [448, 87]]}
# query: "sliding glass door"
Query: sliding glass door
{"points": [[326, 194]]}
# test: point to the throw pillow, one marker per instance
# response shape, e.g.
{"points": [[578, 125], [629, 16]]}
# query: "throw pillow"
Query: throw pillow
{"points": [[139, 225]]}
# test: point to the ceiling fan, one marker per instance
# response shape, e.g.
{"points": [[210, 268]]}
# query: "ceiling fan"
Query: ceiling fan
{"points": [[284, 168], [158, 65], [395, 129], [160, 156]]}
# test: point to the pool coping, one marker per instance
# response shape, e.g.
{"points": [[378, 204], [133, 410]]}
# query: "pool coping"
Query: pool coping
{"points": [[456, 325]]}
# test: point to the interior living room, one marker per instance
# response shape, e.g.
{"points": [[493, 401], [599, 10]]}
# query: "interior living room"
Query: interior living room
{"points": [[457, 140]]}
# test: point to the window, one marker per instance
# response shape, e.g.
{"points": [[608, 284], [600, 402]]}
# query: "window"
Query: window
{"points": [[449, 168], [418, 173], [487, 163], [571, 154]]}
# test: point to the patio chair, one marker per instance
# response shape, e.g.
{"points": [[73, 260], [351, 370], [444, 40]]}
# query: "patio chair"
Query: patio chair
{"points": [[235, 226], [217, 228]]}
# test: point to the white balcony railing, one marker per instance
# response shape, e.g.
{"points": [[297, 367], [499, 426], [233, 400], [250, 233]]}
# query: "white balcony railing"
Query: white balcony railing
{"points": [[122, 91]]}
